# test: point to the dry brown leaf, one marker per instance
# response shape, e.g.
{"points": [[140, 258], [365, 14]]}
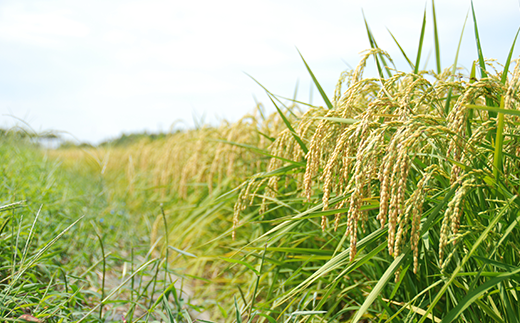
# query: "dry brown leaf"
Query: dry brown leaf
{"points": [[29, 318]]}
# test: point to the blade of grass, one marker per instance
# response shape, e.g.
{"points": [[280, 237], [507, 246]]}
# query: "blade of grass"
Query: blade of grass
{"points": [[316, 83], [421, 40], [236, 261], [497, 158], [374, 46], [494, 109], [402, 50], [104, 273], [511, 315], [454, 69], [11, 206], [291, 129], [182, 252], [187, 316], [4, 224], [374, 294], [508, 60], [253, 298], [42, 250], [475, 295], [482, 63], [466, 258], [260, 151], [143, 266], [31, 234], [237, 312], [339, 120], [436, 38], [168, 310]]}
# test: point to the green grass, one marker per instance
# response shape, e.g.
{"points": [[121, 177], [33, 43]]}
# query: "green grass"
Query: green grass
{"points": [[55, 221]]}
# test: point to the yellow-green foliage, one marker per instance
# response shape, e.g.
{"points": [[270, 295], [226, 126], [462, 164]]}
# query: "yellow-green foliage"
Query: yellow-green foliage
{"points": [[373, 135]]}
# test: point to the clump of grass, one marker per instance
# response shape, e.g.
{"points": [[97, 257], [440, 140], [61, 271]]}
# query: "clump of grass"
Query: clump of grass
{"points": [[51, 266]]}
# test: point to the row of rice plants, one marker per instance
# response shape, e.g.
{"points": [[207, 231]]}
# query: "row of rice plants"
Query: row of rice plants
{"points": [[421, 164]]}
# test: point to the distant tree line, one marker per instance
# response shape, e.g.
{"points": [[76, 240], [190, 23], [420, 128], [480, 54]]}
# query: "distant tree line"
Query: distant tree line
{"points": [[50, 139]]}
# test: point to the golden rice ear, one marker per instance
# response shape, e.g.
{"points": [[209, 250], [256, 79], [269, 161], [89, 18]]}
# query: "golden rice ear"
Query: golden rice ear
{"points": [[130, 175], [155, 229], [451, 220], [405, 102]]}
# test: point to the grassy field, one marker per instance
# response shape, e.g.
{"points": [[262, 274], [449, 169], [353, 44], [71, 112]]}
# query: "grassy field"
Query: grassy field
{"points": [[395, 202]]}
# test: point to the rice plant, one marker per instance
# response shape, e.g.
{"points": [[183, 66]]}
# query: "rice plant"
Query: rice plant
{"points": [[414, 169]]}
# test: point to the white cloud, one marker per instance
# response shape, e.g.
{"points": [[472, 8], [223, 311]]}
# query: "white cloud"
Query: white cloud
{"points": [[153, 82], [42, 28]]}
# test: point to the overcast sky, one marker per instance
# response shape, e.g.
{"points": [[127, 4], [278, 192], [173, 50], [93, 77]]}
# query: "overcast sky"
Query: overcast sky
{"points": [[98, 68]]}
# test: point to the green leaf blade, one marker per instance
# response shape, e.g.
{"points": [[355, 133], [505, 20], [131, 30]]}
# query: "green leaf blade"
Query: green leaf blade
{"points": [[317, 84]]}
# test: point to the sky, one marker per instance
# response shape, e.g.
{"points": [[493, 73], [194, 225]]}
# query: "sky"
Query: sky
{"points": [[93, 70]]}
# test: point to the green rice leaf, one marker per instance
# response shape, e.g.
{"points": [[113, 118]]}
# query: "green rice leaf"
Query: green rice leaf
{"points": [[497, 158], [454, 69], [436, 38], [421, 40], [481, 61], [271, 139], [512, 317], [270, 319], [473, 73], [183, 252], [479, 47], [374, 294], [317, 84], [307, 313], [339, 120], [402, 50], [291, 129], [336, 262], [469, 119], [494, 109], [508, 60], [236, 261], [476, 294], [299, 251], [237, 312], [469, 299], [260, 151], [373, 45], [4, 224]]}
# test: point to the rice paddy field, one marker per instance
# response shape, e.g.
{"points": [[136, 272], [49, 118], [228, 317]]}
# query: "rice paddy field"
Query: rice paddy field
{"points": [[397, 201]]}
